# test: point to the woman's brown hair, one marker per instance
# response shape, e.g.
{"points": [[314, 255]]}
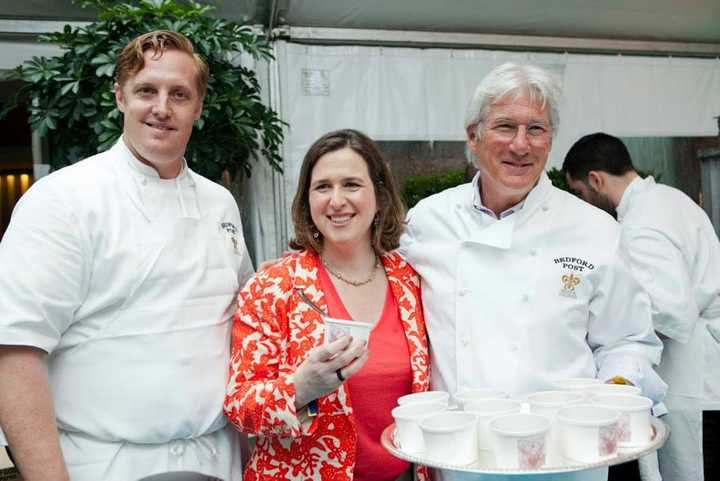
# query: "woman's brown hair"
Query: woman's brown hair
{"points": [[389, 223]]}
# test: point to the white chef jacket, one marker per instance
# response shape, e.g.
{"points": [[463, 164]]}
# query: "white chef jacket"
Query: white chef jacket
{"points": [[675, 254], [534, 297], [78, 243]]}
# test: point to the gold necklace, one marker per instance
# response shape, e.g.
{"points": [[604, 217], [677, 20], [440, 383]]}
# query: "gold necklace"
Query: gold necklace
{"points": [[337, 275]]}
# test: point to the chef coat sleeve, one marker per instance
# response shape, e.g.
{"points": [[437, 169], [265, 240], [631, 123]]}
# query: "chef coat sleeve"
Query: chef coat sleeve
{"points": [[660, 268], [246, 270], [260, 397], [620, 330], [408, 236], [44, 256]]}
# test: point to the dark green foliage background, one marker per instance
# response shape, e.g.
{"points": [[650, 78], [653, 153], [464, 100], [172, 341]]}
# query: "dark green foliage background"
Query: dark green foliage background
{"points": [[71, 101], [416, 188], [557, 177]]}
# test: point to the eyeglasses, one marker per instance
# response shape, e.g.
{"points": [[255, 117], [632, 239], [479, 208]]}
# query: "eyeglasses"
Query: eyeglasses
{"points": [[536, 133]]}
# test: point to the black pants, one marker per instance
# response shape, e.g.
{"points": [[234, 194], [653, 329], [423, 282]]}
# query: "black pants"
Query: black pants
{"points": [[711, 445], [629, 471]]}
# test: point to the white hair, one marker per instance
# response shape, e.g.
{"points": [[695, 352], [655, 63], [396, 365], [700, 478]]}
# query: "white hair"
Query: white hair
{"points": [[509, 78]]}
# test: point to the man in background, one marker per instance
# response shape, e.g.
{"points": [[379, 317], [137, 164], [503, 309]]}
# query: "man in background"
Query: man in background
{"points": [[675, 255], [118, 273]]}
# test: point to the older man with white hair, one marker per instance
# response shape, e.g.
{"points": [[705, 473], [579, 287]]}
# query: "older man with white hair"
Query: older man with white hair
{"points": [[523, 285]]}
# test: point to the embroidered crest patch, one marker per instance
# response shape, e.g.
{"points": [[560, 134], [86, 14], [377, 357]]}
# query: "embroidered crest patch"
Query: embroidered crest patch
{"points": [[569, 283], [231, 232]]}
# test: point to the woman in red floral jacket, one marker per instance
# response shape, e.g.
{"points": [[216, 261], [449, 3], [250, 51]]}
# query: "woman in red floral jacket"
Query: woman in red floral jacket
{"points": [[318, 411]]}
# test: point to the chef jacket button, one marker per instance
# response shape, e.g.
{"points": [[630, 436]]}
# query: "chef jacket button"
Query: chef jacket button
{"points": [[463, 291], [213, 451], [526, 297], [514, 347], [465, 341], [545, 208], [177, 448], [143, 182], [533, 252]]}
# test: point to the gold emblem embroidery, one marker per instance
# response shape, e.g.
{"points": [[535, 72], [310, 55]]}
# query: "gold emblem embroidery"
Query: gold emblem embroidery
{"points": [[570, 282]]}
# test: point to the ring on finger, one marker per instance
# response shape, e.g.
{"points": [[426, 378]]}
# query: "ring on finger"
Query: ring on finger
{"points": [[339, 374]]}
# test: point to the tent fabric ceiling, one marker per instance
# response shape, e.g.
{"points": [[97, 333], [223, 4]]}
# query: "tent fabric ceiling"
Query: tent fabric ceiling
{"points": [[693, 21], [666, 20]]}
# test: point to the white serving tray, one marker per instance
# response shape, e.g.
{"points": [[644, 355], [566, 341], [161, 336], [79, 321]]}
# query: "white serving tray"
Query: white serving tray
{"points": [[661, 430]]}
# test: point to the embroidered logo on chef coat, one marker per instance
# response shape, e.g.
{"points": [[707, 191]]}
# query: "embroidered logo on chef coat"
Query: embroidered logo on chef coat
{"points": [[231, 232], [569, 282], [574, 264]]}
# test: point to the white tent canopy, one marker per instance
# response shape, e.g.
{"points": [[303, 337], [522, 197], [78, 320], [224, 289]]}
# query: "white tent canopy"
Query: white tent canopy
{"points": [[421, 94]]}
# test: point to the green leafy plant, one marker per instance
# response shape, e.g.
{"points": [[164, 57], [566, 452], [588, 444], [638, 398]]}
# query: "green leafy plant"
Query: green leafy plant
{"points": [[70, 97], [557, 177], [416, 188]]}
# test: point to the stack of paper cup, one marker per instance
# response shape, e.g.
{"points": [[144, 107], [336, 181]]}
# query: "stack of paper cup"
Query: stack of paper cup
{"points": [[520, 440], [451, 437], [588, 433], [634, 426], [485, 410], [408, 435], [441, 397], [547, 403]]}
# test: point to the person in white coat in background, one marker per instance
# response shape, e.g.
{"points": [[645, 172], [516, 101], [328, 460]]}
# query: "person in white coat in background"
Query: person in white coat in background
{"points": [[522, 283], [675, 254], [118, 279]]}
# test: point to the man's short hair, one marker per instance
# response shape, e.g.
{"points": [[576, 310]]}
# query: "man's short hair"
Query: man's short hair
{"points": [[132, 58], [598, 151]]}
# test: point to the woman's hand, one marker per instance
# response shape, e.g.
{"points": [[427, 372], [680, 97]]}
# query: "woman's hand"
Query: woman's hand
{"points": [[318, 374]]}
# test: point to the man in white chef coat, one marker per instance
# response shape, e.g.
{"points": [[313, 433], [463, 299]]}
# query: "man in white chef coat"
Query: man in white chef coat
{"points": [[522, 283], [118, 277], [675, 254]]}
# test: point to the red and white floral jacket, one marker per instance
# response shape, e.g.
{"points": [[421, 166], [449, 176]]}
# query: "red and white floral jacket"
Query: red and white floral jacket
{"points": [[273, 331]]}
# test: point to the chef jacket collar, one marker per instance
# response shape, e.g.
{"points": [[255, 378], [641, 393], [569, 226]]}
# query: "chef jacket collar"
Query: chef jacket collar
{"points": [[478, 205], [141, 171], [637, 185], [133, 174]]}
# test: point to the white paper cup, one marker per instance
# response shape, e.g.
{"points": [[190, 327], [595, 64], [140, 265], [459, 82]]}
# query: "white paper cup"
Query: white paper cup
{"points": [[408, 435], [588, 433], [634, 426], [441, 397], [450, 437], [575, 383], [337, 328], [600, 389], [547, 403], [520, 440], [479, 395], [486, 409]]}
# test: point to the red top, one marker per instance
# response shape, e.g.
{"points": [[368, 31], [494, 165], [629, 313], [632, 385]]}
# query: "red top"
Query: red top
{"points": [[375, 388]]}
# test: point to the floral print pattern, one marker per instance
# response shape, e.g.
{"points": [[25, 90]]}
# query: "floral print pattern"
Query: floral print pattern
{"points": [[273, 331]]}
